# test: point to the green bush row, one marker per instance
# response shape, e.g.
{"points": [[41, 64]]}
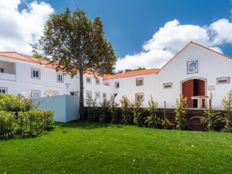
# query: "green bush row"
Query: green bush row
{"points": [[29, 123]]}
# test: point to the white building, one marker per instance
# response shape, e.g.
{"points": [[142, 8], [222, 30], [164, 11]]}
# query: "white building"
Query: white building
{"points": [[196, 72]]}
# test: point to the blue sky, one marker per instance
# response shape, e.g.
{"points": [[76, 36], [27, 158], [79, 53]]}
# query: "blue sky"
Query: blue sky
{"points": [[144, 33]]}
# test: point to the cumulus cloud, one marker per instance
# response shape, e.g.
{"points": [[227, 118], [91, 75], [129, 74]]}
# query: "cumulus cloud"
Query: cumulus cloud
{"points": [[173, 36], [20, 28]]}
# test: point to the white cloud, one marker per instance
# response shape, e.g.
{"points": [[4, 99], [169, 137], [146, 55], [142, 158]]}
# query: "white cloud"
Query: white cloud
{"points": [[173, 36], [18, 28]]}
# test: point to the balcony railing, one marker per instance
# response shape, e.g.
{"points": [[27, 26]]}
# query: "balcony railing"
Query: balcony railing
{"points": [[5, 76]]}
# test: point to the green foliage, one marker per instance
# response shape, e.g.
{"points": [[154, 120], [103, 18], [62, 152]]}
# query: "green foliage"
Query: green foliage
{"points": [[152, 120], [181, 113], [14, 103], [126, 110], [137, 112], [7, 124], [92, 109], [212, 119], [227, 103], [113, 110], [32, 123], [137, 69], [105, 111]]}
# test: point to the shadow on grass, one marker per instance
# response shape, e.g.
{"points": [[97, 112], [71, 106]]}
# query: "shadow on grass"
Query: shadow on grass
{"points": [[87, 125]]}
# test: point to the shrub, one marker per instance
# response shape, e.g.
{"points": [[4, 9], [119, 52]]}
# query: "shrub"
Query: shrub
{"points": [[126, 110], [181, 113], [92, 114], [227, 103], [152, 120], [104, 111], [113, 110], [7, 124], [137, 113], [34, 122]]}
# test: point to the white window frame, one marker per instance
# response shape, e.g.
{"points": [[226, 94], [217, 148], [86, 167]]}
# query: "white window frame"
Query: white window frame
{"points": [[117, 85], [62, 79], [97, 81], [88, 82], [226, 79], [3, 88], [34, 92], [97, 95], [32, 74], [89, 94], [139, 94], [168, 85], [139, 79]]}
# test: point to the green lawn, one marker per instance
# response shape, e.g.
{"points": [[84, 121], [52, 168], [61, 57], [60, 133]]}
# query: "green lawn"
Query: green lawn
{"points": [[105, 148]]}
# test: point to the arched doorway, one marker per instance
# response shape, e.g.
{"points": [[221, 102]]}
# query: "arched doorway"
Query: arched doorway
{"points": [[191, 88]]}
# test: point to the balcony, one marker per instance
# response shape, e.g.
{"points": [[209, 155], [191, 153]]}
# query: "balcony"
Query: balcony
{"points": [[7, 71]]}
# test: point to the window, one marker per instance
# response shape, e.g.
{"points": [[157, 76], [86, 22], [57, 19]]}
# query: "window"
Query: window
{"points": [[97, 95], [35, 73], [192, 67], [35, 93], [88, 94], [3, 90], [107, 83], [139, 81], [139, 96], [167, 85], [116, 84], [104, 95], [88, 80], [60, 78], [97, 81], [223, 80], [1, 70], [74, 93]]}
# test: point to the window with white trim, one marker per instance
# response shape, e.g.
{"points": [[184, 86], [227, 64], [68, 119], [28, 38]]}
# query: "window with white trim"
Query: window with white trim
{"points": [[97, 95], [117, 84], [35, 73], [223, 80], [60, 77], [104, 95], [139, 96], [3, 90], [167, 85], [139, 81], [97, 81], [88, 80], [88, 94], [35, 93]]}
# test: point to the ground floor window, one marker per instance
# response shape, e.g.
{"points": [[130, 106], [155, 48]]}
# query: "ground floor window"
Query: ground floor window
{"points": [[3, 90], [97, 95], [74, 93], [139, 96], [104, 96], [88, 94], [35, 93]]}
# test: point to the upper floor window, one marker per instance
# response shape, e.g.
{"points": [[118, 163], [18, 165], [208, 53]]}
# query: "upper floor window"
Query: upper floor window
{"points": [[35, 73], [139, 81], [139, 96], [97, 81], [167, 85], [1, 70], [3, 90], [35, 93], [107, 83], [192, 67], [223, 80], [60, 78], [88, 80], [117, 85]]}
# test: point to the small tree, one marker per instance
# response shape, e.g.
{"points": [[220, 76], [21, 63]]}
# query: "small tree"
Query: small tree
{"points": [[113, 110], [126, 110], [227, 103], [105, 110], [152, 120], [137, 112], [181, 113], [92, 109]]}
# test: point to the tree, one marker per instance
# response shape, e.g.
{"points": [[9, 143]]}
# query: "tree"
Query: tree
{"points": [[77, 44]]}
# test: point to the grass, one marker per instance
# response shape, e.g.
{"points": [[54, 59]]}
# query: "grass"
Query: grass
{"points": [[105, 148]]}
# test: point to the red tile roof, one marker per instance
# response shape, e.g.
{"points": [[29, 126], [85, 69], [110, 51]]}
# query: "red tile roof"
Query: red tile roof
{"points": [[132, 73]]}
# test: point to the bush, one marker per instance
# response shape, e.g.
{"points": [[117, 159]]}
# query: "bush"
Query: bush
{"points": [[126, 110], [137, 113], [34, 122], [181, 113], [7, 124], [152, 120], [113, 110], [227, 103], [92, 114]]}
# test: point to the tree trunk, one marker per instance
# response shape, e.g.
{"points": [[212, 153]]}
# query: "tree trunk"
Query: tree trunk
{"points": [[81, 111]]}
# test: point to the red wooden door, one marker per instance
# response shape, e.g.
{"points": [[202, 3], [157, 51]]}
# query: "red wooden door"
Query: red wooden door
{"points": [[188, 91]]}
